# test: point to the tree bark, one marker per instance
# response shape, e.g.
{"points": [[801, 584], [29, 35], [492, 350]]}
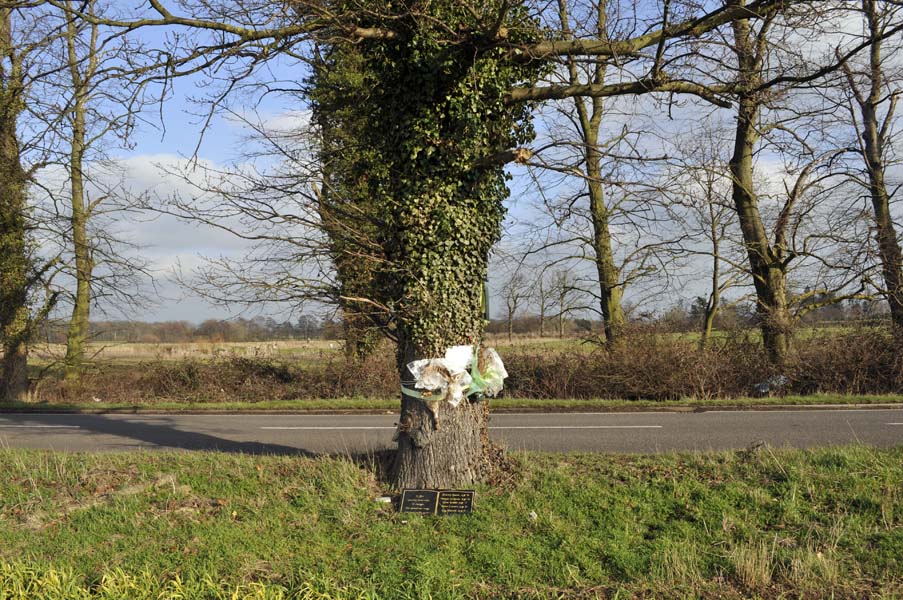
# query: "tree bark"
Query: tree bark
{"points": [[889, 252], [768, 274], [542, 304], [452, 456], [445, 449], [561, 316], [711, 308], [14, 375], [714, 303]]}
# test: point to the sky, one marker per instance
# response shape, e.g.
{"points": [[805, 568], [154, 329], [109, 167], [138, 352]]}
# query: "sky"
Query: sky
{"points": [[171, 138]]}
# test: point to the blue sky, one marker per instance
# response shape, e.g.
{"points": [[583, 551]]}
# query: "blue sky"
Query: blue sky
{"points": [[168, 243]]}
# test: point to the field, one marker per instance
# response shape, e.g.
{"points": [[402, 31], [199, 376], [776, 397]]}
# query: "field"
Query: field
{"points": [[827, 366], [767, 523], [110, 353], [305, 350]]}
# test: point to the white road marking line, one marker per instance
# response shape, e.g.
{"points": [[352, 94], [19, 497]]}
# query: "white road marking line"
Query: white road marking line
{"points": [[579, 427], [782, 411], [620, 413], [312, 428], [893, 423], [4, 426], [322, 428]]}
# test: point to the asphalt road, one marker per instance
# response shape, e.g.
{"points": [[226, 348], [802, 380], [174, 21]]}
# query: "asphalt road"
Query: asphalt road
{"points": [[555, 432]]}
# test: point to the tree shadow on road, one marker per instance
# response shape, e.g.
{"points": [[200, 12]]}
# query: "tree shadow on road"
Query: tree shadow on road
{"points": [[163, 433]]}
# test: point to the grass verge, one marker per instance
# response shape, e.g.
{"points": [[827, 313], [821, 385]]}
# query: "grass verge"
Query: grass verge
{"points": [[765, 524], [504, 404]]}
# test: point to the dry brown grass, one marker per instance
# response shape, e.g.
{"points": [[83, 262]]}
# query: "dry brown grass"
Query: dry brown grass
{"points": [[648, 366], [127, 351]]}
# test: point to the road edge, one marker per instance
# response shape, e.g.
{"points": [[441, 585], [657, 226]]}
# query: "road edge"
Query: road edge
{"points": [[506, 410]]}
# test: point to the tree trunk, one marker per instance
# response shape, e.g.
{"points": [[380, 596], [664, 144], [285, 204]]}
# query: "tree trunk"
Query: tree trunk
{"points": [[711, 310], [885, 233], [767, 269], [14, 259], [448, 449], [889, 251], [14, 267], [561, 320], [608, 272], [873, 151], [14, 376], [712, 306], [454, 455], [440, 446], [80, 321], [606, 269], [768, 274], [542, 306]]}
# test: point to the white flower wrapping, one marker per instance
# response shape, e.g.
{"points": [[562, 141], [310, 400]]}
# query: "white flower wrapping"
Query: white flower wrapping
{"points": [[450, 377]]}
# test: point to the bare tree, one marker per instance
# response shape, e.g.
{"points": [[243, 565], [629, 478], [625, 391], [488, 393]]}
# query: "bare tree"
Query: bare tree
{"points": [[544, 294], [596, 154], [768, 59], [98, 103], [870, 99], [567, 296], [700, 185], [515, 291], [589, 120]]}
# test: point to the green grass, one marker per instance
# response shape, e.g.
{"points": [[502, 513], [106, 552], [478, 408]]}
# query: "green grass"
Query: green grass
{"points": [[392, 404], [771, 523]]}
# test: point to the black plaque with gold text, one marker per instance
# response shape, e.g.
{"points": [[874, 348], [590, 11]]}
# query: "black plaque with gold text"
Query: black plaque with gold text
{"points": [[419, 501], [455, 502], [437, 502]]}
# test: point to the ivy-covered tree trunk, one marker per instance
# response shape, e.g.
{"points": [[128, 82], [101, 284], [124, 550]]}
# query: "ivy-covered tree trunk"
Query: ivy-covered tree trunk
{"points": [[412, 121], [445, 216], [14, 259], [14, 269]]}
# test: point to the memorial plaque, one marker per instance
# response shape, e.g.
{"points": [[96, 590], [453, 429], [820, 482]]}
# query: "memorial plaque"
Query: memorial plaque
{"points": [[437, 502], [419, 501], [455, 502]]}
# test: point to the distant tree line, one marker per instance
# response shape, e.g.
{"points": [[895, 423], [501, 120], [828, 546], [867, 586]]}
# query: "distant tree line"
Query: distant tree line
{"points": [[257, 329], [682, 317]]}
